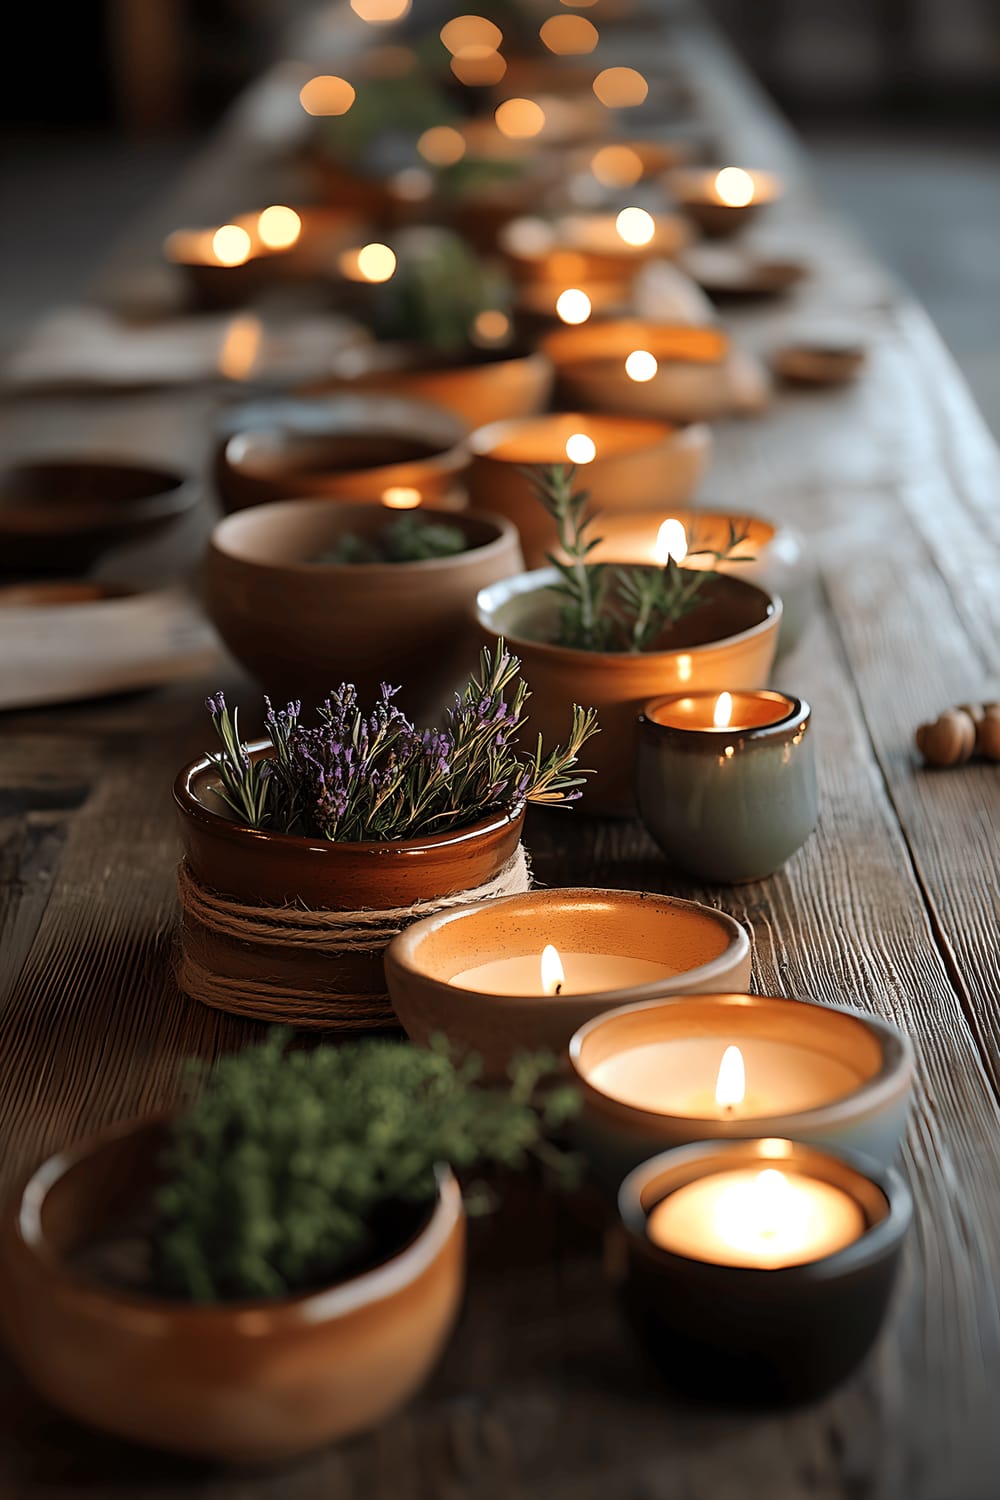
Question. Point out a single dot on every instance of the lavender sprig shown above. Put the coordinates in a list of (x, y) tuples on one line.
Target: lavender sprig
[(357, 777)]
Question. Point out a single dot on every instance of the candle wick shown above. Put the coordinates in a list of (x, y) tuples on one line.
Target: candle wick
[(558, 989)]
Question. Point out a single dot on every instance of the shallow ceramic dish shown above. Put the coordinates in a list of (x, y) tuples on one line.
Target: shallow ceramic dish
[(694, 191), (246, 1382), (61, 515), (728, 643), (725, 271), (641, 466), (701, 948), (303, 626), (491, 386), (345, 447)]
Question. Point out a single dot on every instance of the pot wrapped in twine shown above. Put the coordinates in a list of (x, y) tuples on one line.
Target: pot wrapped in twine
[(307, 968)]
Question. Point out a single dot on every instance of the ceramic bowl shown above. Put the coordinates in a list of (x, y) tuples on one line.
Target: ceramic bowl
[(747, 1336), (244, 1383), (737, 271), (700, 948), (301, 627), (853, 1071), (693, 189), (495, 385), (323, 232), (347, 447), (728, 643), (61, 515), (698, 375), (641, 466)]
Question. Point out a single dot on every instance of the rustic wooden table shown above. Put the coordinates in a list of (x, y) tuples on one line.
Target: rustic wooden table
[(892, 906)]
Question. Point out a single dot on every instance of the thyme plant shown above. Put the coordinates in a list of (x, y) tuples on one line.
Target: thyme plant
[(291, 1169), (357, 777), (606, 607), (439, 288), (408, 538)]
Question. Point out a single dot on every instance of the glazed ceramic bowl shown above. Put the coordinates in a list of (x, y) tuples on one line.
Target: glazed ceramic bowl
[(61, 515), (640, 466), (246, 1382), (728, 643), (697, 374), (841, 1078), (694, 947), (303, 626), (693, 188), (491, 386), (347, 447), (731, 805), (257, 869), (751, 1336)]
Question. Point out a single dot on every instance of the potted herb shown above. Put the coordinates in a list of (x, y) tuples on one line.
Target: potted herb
[(621, 634), (276, 1266), (306, 852), (307, 595), (444, 335)]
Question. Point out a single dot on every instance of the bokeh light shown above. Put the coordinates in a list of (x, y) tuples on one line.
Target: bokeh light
[(617, 166), (621, 88), (518, 119), (641, 365), (635, 226), (231, 245), (569, 35), (380, 12), (278, 227), (463, 32), (442, 145), (734, 187), (573, 305), (580, 449), (326, 95)]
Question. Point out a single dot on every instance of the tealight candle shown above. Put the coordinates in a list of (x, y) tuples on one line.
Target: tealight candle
[(526, 971), (625, 461), (671, 1071), (726, 782), (229, 265), (722, 200), (758, 1271)]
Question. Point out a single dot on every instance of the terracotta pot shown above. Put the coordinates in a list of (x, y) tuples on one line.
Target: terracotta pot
[(694, 190), (641, 466), (257, 868), (60, 515), (728, 643), (492, 386), (303, 627), (702, 950), (246, 1382), (349, 447), (698, 375)]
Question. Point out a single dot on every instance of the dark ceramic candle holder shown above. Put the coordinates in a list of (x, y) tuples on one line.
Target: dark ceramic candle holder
[(746, 1336), (727, 805)]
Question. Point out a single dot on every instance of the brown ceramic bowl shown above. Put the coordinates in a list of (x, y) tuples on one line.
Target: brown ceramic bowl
[(60, 515), (728, 643), (260, 869), (245, 1382), (701, 949), (692, 188), (641, 465), (489, 386), (346, 447), (302, 627)]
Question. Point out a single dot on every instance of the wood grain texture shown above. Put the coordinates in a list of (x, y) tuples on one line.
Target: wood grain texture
[(892, 905)]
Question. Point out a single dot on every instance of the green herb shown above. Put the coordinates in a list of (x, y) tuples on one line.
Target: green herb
[(383, 108), (405, 539), (356, 777), (615, 608), (289, 1169), (439, 289)]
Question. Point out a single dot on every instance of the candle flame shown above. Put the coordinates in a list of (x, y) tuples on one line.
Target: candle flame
[(722, 714), (553, 977), (671, 542), (231, 245), (573, 305), (580, 449), (278, 227), (635, 226), (731, 1084), (401, 497), (374, 262), (734, 187), (641, 365)]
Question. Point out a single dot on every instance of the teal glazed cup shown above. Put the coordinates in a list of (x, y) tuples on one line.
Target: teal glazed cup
[(727, 804)]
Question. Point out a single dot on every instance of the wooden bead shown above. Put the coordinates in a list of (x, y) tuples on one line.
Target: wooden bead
[(988, 733), (949, 741)]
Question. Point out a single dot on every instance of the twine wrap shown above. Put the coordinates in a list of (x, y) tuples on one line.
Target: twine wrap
[(319, 969)]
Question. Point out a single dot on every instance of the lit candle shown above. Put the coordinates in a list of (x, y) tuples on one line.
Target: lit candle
[(723, 199), (555, 972), (765, 1218), (726, 782)]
